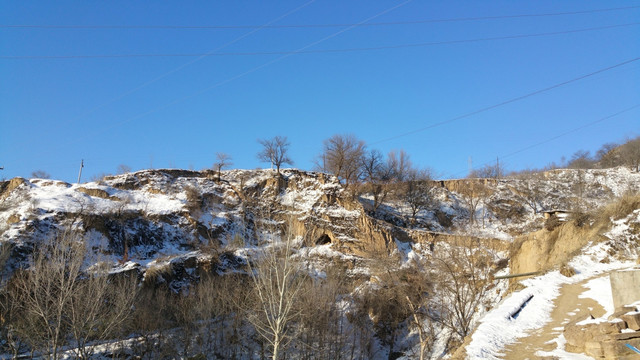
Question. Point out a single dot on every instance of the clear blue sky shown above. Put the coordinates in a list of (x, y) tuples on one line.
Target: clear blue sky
[(178, 111)]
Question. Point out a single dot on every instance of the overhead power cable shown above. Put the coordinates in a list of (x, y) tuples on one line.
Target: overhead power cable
[(319, 51), (188, 63), (529, 147), (506, 102), (238, 76), (569, 132), (427, 21)]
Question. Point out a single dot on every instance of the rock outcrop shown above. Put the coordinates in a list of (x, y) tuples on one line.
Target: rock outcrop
[(605, 340)]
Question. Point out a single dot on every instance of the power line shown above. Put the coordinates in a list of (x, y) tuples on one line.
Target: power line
[(250, 71), (570, 131), (319, 51), (188, 63), (204, 27), (529, 147), (469, 114)]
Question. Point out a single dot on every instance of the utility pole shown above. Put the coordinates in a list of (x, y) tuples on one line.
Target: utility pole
[(80, 173)]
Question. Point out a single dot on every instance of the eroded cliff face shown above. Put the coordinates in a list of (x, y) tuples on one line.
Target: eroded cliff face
[(545, 250), (144, 215)]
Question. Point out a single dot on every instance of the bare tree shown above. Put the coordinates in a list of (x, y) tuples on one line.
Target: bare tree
[(607, 156), (324, 333), (40, 174), (58, 300), (581, 159), (219, 302), (222, 160), (274, 151), (377, 175), (46, 290), (400, 164), (150, 322), (9, 309), (462, 278), (631, 154), (123, 169), (530, 189), (342, 156), (494, 171), (278, 281), (473, 191), (98, 309), (418, 191), (418, 298), (384, 306)]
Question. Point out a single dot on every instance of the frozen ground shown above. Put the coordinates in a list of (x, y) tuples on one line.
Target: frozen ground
[(529, 309)]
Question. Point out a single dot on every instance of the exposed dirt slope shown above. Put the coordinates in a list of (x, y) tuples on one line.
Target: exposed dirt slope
[(543, 250)]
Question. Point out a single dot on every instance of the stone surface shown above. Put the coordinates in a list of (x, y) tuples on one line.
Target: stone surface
[(625, 287), (617, 349), (622, 311), (593, 349), (632, 319), (97, 193), (583, 338), (15, 218)]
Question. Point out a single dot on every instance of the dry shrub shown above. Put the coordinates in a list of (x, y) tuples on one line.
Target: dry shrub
[(443, 219), (156, 272), (552, 222), (621, 207), (581, 219), (567, 270), (194, 199), (507, 209)]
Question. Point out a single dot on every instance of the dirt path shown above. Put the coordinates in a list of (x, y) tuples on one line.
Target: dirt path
[(568, 307)]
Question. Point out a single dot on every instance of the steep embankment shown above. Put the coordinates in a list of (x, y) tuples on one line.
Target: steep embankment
[(616, 225), (142, 218), (538, 309), (544, 250)]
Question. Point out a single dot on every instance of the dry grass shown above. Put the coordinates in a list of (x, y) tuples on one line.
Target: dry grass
[(620, 208), (159, 270), (194, 200)]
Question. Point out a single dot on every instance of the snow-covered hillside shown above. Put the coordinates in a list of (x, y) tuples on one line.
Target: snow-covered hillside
[(173, 228)]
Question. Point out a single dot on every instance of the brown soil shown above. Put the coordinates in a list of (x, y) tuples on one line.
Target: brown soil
[(568, 307)]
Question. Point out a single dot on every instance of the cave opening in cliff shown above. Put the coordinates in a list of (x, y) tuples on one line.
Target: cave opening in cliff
[(323, 239)]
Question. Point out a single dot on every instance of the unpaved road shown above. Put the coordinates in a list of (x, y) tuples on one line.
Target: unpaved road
[(568, 307)]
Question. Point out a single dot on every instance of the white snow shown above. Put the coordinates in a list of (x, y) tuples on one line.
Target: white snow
[(600, 290), (498, 329)]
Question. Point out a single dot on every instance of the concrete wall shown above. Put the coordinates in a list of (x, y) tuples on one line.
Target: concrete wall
[(625, 287)]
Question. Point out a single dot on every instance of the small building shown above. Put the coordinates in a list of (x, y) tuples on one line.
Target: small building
[(562, 215)]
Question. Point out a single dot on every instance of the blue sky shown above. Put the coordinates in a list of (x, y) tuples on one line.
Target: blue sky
[(178, 111)]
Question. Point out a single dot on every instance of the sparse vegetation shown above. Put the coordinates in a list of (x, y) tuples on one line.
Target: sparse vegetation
[(195, 200), (620, 207), (123, 169), (40, 174), (222, 160), (384, 275), (275, 151), (341, 156)]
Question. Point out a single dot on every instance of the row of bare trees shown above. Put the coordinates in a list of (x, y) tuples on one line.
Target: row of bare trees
[(436, 297), (368, 171), (56, 302), (609, 155), (67, 303)]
